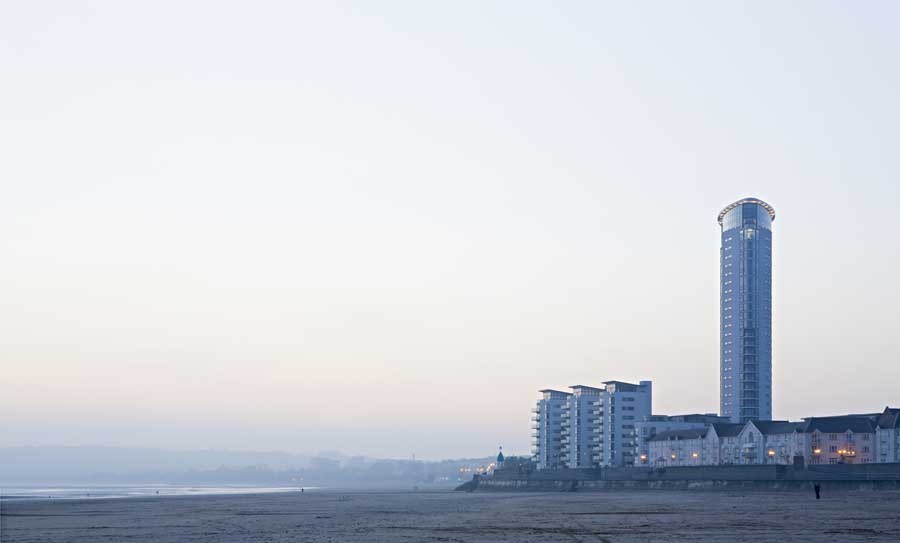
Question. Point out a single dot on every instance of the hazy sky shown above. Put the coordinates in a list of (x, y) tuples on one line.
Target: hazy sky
[(381, 227)]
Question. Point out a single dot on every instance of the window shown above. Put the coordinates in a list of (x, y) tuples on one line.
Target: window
[(833, 448), (866, 449)]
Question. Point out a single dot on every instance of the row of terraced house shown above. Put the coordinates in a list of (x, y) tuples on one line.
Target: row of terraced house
[(845, 439)]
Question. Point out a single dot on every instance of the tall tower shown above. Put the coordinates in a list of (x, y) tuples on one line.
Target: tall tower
[(745, 329)]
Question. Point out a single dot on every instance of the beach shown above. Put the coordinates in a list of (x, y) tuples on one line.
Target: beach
[(335, 516)]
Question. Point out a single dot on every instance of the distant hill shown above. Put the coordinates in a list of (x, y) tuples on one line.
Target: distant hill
[(78, 465), (38, 464)]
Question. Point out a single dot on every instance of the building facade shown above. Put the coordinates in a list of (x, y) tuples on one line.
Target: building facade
[(887, 434), (547, 426), (848, 439), (687, 447), (580, 428), (767, 442), (745, 387), (844, 439), (656, 424), (624, 405), (590, 427)]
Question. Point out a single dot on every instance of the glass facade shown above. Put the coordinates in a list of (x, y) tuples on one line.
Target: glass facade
[(745, 388)]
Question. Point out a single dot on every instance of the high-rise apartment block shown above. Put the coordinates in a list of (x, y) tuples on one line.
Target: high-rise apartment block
[(745, 388)]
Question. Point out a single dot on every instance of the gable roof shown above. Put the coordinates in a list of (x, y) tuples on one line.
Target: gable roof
[(727, 429), (770, 427), (836, 425)]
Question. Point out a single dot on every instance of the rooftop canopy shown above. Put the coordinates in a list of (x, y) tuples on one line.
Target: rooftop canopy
[(739, 203)]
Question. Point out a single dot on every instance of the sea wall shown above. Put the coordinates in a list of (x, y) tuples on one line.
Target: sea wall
[(750, 477)]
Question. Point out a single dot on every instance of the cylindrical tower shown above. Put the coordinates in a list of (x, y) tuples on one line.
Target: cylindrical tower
[(745, 293)]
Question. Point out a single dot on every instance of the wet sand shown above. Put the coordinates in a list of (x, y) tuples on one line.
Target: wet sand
[(461, 517)]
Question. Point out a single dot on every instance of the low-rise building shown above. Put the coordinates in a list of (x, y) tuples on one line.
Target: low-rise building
[(848, 439), (728, 435), (770, 442), (690, 447), (656, 424)]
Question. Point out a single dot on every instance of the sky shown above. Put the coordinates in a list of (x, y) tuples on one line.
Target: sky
[(380, 228)]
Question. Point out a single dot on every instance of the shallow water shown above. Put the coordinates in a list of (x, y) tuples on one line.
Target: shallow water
[(62, 492)]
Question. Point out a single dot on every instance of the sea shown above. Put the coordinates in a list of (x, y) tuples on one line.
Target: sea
[(64, 492)]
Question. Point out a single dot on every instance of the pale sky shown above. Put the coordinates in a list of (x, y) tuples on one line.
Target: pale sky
[(381, 227)]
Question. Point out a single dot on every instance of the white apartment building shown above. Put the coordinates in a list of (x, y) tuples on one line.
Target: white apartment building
[(624, 405), (580, 435), (590, 427), (547, 426)]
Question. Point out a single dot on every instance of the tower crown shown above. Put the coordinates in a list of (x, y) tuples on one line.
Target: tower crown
[(757, 201)]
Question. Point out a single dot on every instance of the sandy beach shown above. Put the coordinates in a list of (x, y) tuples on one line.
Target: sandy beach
[(460, 517)]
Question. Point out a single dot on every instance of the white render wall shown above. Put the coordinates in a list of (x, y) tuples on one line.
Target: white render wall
[(700, 451), (644, 430), (578, 433), (623, 407), (547, 419), (887, 444)]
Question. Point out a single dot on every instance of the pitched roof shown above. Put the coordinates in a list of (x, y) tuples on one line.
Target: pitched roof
[(890, 418), (770, 427), (835, 425), (671, 435), (727, 429)]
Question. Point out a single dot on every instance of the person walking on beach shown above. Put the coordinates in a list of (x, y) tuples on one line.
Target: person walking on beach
[(818, 488)]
